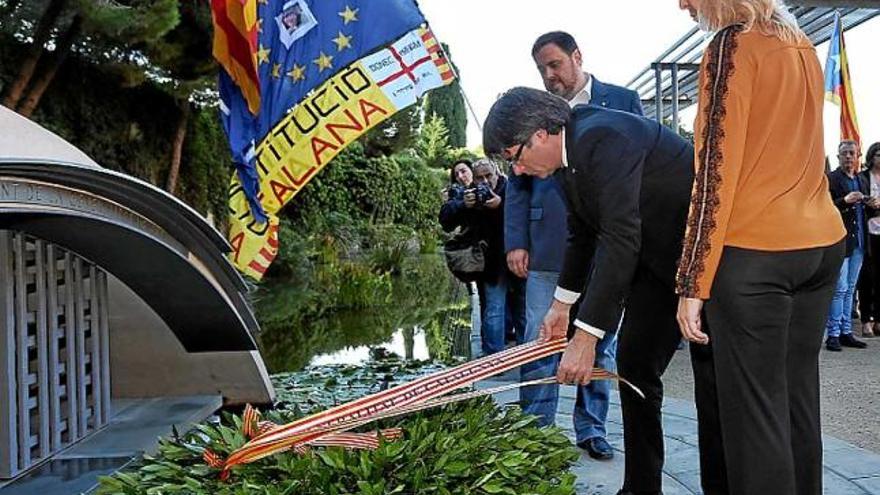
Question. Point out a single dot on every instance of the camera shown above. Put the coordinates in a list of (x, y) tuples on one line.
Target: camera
[(481, 193)]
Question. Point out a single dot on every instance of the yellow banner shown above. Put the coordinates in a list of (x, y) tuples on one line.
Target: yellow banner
[(339, 111)]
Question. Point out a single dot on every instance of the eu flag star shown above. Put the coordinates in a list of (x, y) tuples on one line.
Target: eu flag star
[(324, 61), (263, 55), (342, 42), (349, 15), (297, 73), (276, 71)]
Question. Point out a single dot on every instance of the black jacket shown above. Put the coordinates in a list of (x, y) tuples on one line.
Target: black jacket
[(627, 186), (838, 185), (479, 224)]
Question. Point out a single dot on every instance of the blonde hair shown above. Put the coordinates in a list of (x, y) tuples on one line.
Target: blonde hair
[(769, 17)]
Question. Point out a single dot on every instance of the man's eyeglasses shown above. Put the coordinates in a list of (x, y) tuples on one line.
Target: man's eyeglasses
[(512, 161)]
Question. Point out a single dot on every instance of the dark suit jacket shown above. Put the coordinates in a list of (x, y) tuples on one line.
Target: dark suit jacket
[(534, 209), (838, 185), (627, 186)]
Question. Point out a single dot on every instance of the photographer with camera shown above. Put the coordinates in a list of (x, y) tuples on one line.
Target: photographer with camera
[(473, 212)]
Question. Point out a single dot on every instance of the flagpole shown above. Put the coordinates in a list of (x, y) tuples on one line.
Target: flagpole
[(467, 101)]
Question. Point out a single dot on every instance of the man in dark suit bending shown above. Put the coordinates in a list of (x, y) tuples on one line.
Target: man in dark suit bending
[(627, 183), (534, 239)]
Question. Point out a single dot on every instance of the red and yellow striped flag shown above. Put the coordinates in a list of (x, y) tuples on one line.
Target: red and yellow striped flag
[(838, 84), (235, 45)]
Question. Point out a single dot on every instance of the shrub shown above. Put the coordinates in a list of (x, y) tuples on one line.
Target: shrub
[(472, 448)]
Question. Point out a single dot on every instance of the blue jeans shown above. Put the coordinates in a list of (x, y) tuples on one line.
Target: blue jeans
[(591, 407), (840, 317), (493, 313)]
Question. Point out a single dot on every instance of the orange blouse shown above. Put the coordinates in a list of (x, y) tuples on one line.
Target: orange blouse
[(760, 160)]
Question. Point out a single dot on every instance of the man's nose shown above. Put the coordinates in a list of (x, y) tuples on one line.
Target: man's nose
[(519, 170)]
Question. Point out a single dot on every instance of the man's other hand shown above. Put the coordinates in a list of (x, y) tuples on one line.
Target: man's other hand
[(576, 365), (555, 324), (518, 262), (853, 197), (493, 202)]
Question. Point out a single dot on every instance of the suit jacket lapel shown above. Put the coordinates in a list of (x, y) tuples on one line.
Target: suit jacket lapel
[(600, 94)]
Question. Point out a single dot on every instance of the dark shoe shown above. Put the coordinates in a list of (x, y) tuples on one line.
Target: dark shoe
[(847, 340), (597, 448), (833, 344)]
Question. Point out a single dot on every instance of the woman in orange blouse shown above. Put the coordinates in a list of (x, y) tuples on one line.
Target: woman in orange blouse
[(763, 243)]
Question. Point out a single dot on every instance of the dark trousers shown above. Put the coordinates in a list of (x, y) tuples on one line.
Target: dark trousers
[(869, 282), (648, 339), (766, 320)]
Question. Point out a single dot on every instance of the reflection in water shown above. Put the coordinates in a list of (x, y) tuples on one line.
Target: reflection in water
[(427, 311), (407, 343)]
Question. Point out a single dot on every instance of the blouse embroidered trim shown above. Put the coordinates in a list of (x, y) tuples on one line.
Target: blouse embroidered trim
[(705, 201)]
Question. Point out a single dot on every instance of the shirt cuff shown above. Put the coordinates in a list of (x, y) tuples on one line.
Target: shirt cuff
[(599, 334), (566, 296)]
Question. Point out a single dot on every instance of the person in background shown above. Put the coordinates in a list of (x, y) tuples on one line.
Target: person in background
[(851, 194), (869, 277), (475, 208)]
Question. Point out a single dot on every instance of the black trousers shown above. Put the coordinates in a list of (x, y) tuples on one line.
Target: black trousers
[(869, 282), (648, 339), (766, 321)]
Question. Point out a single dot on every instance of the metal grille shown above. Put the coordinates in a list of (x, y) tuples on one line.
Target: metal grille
[(54, 370)]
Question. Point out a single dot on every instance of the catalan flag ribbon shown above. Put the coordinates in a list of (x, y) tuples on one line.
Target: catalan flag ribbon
[(235, 45), (328, 71), (838, 84), (327, 428)]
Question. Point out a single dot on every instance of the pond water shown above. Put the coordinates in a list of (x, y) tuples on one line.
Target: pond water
[(426, 316)]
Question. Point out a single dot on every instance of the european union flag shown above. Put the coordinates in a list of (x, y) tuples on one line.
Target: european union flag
[(302, 43)]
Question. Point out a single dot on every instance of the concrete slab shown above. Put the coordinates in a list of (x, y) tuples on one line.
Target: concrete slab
[(849, 470), (138, 426), (134, 430)]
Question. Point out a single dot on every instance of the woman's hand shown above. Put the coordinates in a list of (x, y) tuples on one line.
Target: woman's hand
[(689, 320)]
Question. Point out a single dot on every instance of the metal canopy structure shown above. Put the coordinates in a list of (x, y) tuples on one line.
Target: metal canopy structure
[(151, 241), (674, 74)]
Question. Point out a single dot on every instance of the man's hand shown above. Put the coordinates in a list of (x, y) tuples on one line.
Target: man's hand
[(576, 366), (853, 197), (555, 324), (689, 320), (518, 262), (873, 202), (493, 202)]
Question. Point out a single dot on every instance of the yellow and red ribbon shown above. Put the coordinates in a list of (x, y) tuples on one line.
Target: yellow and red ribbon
[(327, 428)]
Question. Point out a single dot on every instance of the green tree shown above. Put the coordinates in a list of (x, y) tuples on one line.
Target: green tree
[(433, 143), (448, 103), (106, 31), (395, 134), (183, 66)]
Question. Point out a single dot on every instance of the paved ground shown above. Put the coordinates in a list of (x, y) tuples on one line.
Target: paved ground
[(850, 392), (850, 410)]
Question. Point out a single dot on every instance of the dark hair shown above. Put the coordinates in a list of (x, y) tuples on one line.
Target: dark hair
[(563, 40), (469, 164), (518, 114), (873, 151)]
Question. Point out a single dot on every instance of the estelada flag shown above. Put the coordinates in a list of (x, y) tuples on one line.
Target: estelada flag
[(328, 70), (838, 84)]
